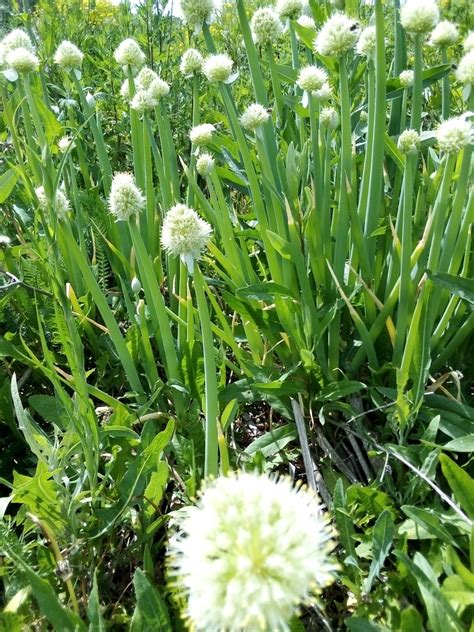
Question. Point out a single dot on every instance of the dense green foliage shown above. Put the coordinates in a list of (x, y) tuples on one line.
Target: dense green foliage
[(327, 331)]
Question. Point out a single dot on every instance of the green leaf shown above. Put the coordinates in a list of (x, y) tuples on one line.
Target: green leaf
[(411, 620), (461, 444), (272, 442), (264, 291), (458, 593), (358, 624), (382, 539), (7, 184), (344, 522), (339, 390), (150, 604), (282, 246), (459, 286), (461, 484), (430, 522), (154, 490), (96, 620)]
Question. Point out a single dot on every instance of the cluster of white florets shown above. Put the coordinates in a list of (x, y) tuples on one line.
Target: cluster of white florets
[(218, 68), (185, 234), (311, 78), (254, 116), (445, 33), (68, 56), (191, 62), (406, 78), (129, 55), (205, 164), (468, 43), (150, 89), (409, 141), (455, 134), (126, 199), (419, 17), (366, 42), (266, 26), (17, 53), (59, 203), (465, 69), (329, 118), (201, 135), (337, 36), (249, 553), (289, 9), (197, 12)]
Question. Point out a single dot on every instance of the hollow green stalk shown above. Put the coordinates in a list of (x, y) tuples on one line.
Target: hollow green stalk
[(417, 92)]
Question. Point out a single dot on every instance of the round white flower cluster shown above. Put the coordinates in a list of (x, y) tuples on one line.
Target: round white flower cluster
[(185, 234), (445, 33), (196, 12), (205, 164), (68, 56), (289, 9), (150, 89), (65, 143), (249, 553), (307, 22), (60, 204), (201, 135), (218, 68), (254, 116), (409, 141), (22, 60), (18, 54), (266, 26), (455, 134), (419, 16), (329, 118), (191, 62), (129, 55), (125, 198), (311, 78), (406, 78), (465, 69), (337, 36), (468, 43), (366, 42)]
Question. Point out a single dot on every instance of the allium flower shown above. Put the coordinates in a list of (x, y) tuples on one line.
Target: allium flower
[(465, 69), (201, 135), (125, 90), (144, 78), (136, 285), (366, 42), (196, 12), (289, 9), (468, 43), (444, 34), (64, 144), (324, 94), (266, 26), (5, 241), (16, 39), (185, 234), (158, 89), (329, 118), (250, 551), (337, 36), (306, 22), (68, 56), (409, 141), (254, 116), (205, 164), (455, 134), (406, 78), (22, 60), (142, 101), (125, 198), (191, 62), (311, 78), (61, 203), (218, 68), (419, 16), (129, 55)]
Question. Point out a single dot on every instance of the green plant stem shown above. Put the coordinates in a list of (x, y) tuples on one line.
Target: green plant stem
[(277, 93), (210, 376), (135, 125), (147, 221), (446, 88), (417, 92)]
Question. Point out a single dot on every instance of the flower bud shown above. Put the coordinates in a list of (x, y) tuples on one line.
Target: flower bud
[(61, 203), (409, 141), (311, 78), (406, 78), (136, 285), (329, 118)]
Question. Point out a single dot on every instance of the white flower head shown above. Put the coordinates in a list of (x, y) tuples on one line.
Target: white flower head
[(60, 203), (468, 43), (266, 26), (68, 56), (337, 36), (201, 135), (22, 60), (129, 55), (144, 78), (406, 78), (5, 241), (455, 134), (142, 101), (306, 22), (185, 234), (254, 116), (196, 12), (419, 16), (311, 78), (191, 62), (329, 118), (445, 33), (465, 69), (409, 141), (366, 42), (289, 9), (16, 39), (218, 68), (125, 90), (324, 94), (251, 551), (65, 143), (125, 198), (158, 89), (205, 164)]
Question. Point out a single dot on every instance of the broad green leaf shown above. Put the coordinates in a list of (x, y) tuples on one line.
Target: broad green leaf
[(411, 620), (272, 442), (458, 593), (359, 624), (282, 246), (382, 539), (430, 522), (35, 437), (461, 444), (40, 495), (461, 484), (459, 286), (96, 620), (339, 390), (344, 522), (264, 291), (150, 604), (7, 184), (154, 490)]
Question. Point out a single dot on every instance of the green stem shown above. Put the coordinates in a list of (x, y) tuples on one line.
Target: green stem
[(446, 88), (417, 93)]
